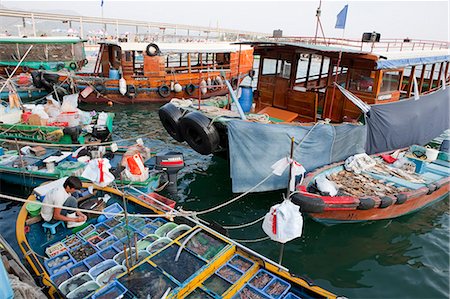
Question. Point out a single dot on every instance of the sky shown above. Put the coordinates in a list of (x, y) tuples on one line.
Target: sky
[(393, 19)]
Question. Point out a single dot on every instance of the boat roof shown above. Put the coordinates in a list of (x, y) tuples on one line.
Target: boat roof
[(188, 47), (40, 40), (384, 60)]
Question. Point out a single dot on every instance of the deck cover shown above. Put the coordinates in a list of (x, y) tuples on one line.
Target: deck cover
[(400, 124)]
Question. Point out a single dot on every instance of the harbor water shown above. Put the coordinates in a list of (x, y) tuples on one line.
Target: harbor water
[(406, 257)]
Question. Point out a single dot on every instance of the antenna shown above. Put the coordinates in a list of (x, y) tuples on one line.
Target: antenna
[(319, 23)]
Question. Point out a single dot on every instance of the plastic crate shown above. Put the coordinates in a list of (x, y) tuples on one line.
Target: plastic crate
[(114, 208), (84, 291), (79, 268), (291, 296), (164, 229), (60, 277), (55, 249), (78, 279), (254, 293), (72, 241), (157, 222), (178, 231), (101, 227), (283, 286), (113, 290), (86, 232), (101, 267), (148, 230), (261, 279), (94, 240), (146, 241), (107, 242), (229, 273), (241, 263), (86, 253), (59, 263), (107, 276), (94, 260), (109, 252)]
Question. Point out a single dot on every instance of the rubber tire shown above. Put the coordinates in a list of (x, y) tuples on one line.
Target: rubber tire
[(36, 77), (366, 203), (149, 53), (190, 88), (25, 69), (386, 202), (164, 91), (401, 198), (170, 116), (308, 204), (131, 91), (85, 62), (199, 134)]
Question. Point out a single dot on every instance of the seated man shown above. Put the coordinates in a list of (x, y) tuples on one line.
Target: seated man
[(61, 196)]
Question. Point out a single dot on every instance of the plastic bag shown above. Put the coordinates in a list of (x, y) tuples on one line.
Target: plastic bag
[(70, 103), (326, 186), (284, 222), (40, 111), (85, 117)]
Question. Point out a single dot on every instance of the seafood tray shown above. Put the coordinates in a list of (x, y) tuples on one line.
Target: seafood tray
[(138, 282), (104, 235), (261, 279), (72, 241), (119, 244), (78, 268), (204, 245), (291, 296), (114, 208), (277, 288), (229, 273), (81, 252), (60, 277), (55, 249), (74, 282), (107, 276), (84, 291), (101, 227), (241, 263), (109, 252), (120, 231), (146, 241), (157, 222), (158, 244), (136, 222), (113, 290), (106, 242), (217, 284), (112, 222), (178, 231), (147, 229), (101, 267), (87, 231), (58, 263), (247, 292), (93, 260), (165, 228), (94, 240)]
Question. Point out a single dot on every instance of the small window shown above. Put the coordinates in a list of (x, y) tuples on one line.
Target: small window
[(361, 80), (128, 56), (390, 81), (269, 66)]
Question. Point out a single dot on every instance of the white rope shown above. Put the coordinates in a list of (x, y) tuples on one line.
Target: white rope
[(252, 240), (244, 225)]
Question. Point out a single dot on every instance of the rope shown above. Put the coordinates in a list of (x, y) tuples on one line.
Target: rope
[(252, 240), (244, 225)]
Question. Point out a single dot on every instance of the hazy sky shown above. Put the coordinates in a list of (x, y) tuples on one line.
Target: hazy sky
[(414, 19)]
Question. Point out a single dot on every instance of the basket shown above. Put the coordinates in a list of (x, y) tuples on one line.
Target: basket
[(34, 209)]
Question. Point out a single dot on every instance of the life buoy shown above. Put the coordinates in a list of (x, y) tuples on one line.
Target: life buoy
[(203, 87), (190, 88), (85, 62), (366, 203), (131, 91), (60, 66), (308, 204), (170, 116), (177, 87), (152, 49), (198, 132), (164, 91), (25, 69), (73, 65)]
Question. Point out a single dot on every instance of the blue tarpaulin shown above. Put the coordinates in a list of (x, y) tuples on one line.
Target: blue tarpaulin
[(405, 62)]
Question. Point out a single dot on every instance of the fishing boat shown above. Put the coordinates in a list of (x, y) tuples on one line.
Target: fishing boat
[(377, 187), (135, 250), (44, 53), (353, 96), (128, 72)]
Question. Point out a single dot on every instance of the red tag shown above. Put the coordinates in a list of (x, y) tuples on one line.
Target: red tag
[(274, 222), (100, 167)]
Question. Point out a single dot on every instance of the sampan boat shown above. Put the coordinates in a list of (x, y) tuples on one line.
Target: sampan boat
[(175, 258), (381, 191)]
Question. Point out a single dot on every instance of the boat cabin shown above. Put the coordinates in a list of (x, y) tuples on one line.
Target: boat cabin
[(160, 70), (47, 53), (296, 80)]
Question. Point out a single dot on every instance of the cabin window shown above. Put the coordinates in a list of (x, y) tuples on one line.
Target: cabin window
[(318, 70), (361, 80), (390, 81), (128, 56), (138, 63), (223, 59), (270, 67)]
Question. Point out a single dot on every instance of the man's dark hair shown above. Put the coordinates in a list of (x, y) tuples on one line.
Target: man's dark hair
[(73, 182)]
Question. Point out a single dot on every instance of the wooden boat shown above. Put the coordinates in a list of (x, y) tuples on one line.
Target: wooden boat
[(47, 53), (176, 258), (296, 84), (382, 191), (157, 72), (31, 170)]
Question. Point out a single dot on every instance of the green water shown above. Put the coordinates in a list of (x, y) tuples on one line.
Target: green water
[(406, 257)]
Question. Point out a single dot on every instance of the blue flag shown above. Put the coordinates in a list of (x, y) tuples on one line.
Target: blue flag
[(101, 4), (341, 18)]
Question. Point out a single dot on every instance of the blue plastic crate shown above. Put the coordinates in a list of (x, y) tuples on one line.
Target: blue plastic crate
[(261, 279), (101, 227), (249, 288), (291, 296), (86, 232), (284, 286), (148, 229), (60, 277), (53, 266), (229, 273), (101, 267), (112, 290), (241, 263), (107, 242), (93, 260), (114, 208), (109, 252), (157, 222), (78, 268)]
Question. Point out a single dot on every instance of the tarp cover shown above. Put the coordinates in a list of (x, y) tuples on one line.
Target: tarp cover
[(405, 62), (400, 124), (254, 147)]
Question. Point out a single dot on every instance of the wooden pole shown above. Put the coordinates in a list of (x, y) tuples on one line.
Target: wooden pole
[(336, 77)]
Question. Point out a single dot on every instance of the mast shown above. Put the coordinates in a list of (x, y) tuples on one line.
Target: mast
[(319, 23)]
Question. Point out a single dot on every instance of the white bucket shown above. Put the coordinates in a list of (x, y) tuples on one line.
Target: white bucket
[(432, 154)]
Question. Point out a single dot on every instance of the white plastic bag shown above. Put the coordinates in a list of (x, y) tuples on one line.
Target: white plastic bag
[(325, 185), (97, 171), (70, 103), (40, 111), (284, 222)]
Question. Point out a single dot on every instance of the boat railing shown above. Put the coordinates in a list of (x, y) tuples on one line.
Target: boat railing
[(384, 45)]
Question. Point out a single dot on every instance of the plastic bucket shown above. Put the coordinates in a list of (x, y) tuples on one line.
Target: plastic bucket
[(432, 154), (114, 74), (34, 209), (246, 99)]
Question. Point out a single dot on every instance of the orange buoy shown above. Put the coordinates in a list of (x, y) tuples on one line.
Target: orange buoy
[(110, 103)]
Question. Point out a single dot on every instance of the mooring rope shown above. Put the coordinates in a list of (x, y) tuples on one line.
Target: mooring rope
[(252, 240), (245, 224)]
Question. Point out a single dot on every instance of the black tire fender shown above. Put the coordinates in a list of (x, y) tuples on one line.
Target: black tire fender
[(85, 62), (131, 91), (308, 204), (164, 91), (190, 88), (386, 201), (152, 49), (25, 69), (170, 116), (73, 65), (366, 203), (199, 133), (401, 198)]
